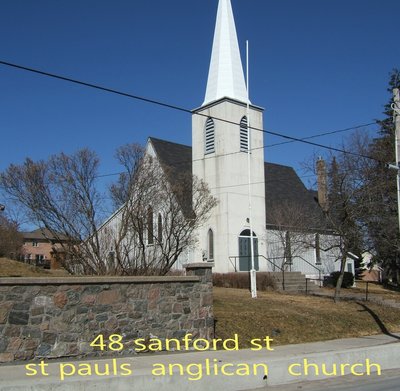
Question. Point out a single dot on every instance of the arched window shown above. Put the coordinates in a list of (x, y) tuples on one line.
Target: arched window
[(150, 226), (244, 135), (159, 229), (210, 244), (288, 249), (317, 250), (209, 137)]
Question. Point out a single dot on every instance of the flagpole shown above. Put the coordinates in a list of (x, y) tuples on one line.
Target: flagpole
[(253, 280)]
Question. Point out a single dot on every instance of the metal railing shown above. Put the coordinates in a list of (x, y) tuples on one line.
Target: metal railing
[(317, 268)]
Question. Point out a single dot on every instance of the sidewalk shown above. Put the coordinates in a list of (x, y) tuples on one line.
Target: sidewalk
[(205, 368)]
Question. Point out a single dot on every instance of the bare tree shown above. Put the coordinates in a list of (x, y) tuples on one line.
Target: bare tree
[(348, 200), (162, 209), (60, 195), (11, 240), (158, 211), (292, 229)]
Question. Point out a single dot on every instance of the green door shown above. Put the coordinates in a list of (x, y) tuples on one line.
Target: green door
[(245, 254)]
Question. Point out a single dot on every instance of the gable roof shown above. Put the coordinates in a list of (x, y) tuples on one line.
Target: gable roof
[(176, 160), (284, 188), (282, 185), (177, 157)]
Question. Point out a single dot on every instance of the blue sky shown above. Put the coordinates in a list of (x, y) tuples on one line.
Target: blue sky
[(316, 66)]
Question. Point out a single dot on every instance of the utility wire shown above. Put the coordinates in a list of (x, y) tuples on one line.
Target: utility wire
[(323, 134), (174, 107)]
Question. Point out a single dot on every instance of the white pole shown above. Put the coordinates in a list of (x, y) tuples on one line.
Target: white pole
[(253, 280), (396, 109)]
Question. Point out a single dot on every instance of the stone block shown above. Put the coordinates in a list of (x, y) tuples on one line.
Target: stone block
[(12, 331), (37, 311), (44, 350), (42, 301), (206, 299), (60, 299), (88, 299), (18, 317), (108, 297), (4, 311), (49, 338), (14, 344)]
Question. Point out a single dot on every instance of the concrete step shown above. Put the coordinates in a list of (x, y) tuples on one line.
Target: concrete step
[(294, 282)]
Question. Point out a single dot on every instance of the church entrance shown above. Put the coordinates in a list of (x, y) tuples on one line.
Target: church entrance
[(245, 251)]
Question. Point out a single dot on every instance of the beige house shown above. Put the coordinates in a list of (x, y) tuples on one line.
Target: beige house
[(40, 248)]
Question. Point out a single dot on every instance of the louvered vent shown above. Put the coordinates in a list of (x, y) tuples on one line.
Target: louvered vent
[(244, 137), (210, 136)]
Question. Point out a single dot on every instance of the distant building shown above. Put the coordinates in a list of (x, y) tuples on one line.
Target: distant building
[(41, 248)]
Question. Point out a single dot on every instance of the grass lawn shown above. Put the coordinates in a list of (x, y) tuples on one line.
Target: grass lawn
[(292, 319), (9, 268)]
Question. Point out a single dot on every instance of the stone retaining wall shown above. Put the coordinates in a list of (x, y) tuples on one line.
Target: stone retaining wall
[(60, 317)]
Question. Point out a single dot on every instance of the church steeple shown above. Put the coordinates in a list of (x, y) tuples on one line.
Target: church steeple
[(225, 77)]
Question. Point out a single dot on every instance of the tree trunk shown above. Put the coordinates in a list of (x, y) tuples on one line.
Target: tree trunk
[(340, 279)]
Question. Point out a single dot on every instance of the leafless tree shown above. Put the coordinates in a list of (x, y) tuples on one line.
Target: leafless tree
[(161, 211), (158, 211), (292, 230), (348, 200), (11, 240), (60, 194)]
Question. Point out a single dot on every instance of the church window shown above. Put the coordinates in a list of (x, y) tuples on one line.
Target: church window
[(209, 136), (244, 135), (210, 240), (317, 250), (159, 228), (150, 226), (288, 249)]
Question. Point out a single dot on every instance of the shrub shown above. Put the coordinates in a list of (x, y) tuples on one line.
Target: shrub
[(348, 279), (241, 280)]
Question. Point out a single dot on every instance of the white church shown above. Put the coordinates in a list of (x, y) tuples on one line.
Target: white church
[(256, 199)]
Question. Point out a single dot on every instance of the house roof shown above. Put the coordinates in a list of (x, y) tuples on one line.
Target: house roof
[(283, 187), (42, 234)]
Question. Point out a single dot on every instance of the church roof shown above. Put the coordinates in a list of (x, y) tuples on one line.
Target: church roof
[(283, 190), (176, 159), (283, 187), (225, 77)]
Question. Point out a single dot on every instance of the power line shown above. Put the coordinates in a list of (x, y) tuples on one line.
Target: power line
[(174, 107), (323, 134)]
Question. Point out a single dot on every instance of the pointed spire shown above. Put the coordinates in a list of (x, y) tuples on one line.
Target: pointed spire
[(225, 77)]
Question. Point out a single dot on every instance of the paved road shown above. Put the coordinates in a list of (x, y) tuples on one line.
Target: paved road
[(388, 381)]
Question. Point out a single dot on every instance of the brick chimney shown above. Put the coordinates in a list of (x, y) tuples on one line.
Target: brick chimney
[(322, 183)]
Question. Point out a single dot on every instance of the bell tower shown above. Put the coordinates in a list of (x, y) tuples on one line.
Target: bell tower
[(220, 145)]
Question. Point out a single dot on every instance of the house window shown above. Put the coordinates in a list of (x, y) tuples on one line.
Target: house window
[(210, 243), (150, 226), (209, 137), (317, 250), (159, 228), (35, 244), (288, 249), (244, 135)]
